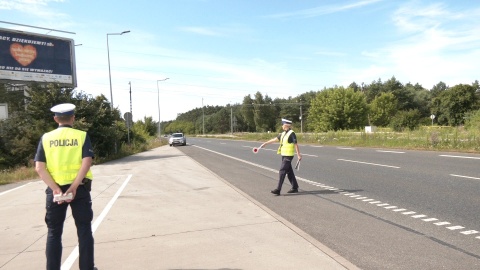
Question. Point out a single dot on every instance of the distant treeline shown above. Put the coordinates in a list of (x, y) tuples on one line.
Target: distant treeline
[(383, 104)]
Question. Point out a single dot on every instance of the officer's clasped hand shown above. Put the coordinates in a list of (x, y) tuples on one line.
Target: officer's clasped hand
[(60, 198)]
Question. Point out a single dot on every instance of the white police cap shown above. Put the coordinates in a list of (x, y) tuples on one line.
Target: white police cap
[(285, 121), (63, 109)]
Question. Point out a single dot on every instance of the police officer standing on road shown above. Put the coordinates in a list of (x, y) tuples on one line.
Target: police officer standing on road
[(63, 160), (287, 148)]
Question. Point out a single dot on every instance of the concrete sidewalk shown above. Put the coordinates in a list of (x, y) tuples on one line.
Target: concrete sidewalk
[(176, 214)]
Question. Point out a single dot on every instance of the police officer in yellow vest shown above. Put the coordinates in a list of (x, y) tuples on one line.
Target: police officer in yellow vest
[(63, 161), (288, 147)]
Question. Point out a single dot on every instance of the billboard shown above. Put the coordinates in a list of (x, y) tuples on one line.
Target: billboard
[(28, 57)]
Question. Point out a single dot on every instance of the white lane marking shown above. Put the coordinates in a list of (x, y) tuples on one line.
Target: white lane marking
[(460, 156), (390, 207), (223, 143), (395, 152), (10, 190), (309, 155), (241, 160), (74, 254), (463, 176), (317, 146), (442, 223), (469, 232), (455, 228), (383, 204), (375, 164), (345, 148), (340, 191)]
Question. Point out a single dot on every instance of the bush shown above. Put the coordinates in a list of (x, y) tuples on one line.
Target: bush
[(406, 119), (472, 122)]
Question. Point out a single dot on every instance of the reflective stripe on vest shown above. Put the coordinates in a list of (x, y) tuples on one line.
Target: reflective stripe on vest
[(63, 152), (286, 149)]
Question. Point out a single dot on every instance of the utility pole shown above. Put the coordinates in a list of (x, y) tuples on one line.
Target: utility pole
[(301, 118)]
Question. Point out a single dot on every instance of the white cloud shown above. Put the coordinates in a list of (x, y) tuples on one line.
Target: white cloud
[(435, 44), (323, 10), (38, 8)]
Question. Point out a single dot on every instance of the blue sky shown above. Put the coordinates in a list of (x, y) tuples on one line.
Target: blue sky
[(218, 51)]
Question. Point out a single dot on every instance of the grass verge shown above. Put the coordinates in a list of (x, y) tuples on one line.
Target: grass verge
[(28, 172)]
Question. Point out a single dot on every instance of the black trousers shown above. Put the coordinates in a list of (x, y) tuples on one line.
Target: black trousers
[(54, 218), (287, 170)]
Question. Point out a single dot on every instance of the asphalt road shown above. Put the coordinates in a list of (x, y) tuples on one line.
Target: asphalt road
[(378, 208)]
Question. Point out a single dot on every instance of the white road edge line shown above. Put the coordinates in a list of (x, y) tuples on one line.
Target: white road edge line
[(463, 176), (460, 156), (74, 254), (395, 152), (5, 192), (375, 164)]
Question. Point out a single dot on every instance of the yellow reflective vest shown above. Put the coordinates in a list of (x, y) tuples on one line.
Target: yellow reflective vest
[(63, 152), (286, 149)]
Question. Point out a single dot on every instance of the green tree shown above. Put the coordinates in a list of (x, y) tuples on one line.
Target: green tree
[(421, 98), (438, 88), (451, 105), (13, 96), (148, 125), (186, 127), (338, 108), (265, 115), (382, 109), (372, 90), (248, 113), (220, 121)]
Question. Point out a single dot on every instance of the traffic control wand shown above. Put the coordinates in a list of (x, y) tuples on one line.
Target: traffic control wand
[(297, 166)]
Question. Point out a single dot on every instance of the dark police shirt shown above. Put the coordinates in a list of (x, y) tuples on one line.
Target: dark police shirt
[(291, 139), (87, 150)]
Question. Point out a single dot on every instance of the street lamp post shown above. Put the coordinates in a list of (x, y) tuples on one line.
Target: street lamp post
[(158, 91), (109, 72)]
